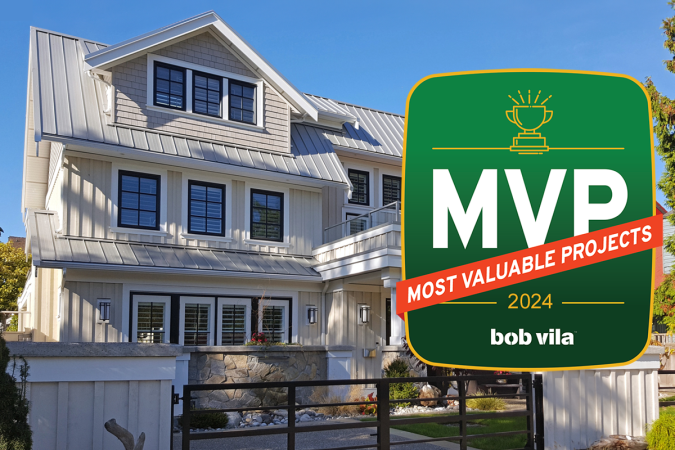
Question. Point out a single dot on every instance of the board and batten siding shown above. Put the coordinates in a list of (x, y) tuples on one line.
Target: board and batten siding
[(344, 329), (87, 211), (308, 334), (130, 81), (44, 307), (79, 319), (668, 258)]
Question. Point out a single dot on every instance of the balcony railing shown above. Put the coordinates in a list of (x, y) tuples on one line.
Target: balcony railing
[(387, 214)]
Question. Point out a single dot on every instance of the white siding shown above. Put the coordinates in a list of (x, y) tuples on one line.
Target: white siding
[(668, 258), (79, 320)]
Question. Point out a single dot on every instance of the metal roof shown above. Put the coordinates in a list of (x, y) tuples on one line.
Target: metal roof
[(328, 105), (69, 108), (50, 249)]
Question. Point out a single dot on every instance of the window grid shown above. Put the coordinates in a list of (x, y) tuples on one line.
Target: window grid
[(138, 200), (357, 225), (206, 209), (233, 325), (150, 322), (267, 215), (391, 189), (361, 184), (207, 93), (196, 324), (169, 86), (242, 101), (273, 323)]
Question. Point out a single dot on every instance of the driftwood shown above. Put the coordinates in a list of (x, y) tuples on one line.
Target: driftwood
[(620, 442), (125, 437)]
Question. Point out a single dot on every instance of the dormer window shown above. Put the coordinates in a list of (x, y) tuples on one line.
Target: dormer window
[(242, 102), (207, 94), (169, 86)]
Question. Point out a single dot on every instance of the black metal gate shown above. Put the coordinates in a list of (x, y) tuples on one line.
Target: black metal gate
[(531, 392)]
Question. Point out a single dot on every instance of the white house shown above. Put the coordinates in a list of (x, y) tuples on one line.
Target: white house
[(178, 189)]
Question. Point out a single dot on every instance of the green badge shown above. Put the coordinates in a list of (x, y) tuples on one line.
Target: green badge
[(497, 162)]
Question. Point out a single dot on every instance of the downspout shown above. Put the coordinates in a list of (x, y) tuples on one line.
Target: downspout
[(323, 312), (108, 91)]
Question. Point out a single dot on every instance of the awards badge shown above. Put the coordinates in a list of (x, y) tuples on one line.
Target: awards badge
[(529, 118)]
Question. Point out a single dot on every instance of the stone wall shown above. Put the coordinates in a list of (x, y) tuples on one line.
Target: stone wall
[(391, 352), (255, 365)]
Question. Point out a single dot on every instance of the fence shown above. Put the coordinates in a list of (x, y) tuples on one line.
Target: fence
[(532, 392), (664, 338), (390, 213)]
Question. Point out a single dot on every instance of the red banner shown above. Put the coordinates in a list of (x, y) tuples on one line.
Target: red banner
[(528, 264)]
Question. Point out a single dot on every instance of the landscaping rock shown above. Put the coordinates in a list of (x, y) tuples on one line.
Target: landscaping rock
[(620, 442), (306, 418)]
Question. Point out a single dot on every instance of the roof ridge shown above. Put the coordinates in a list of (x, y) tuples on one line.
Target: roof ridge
[(70, 36), (355, 105)]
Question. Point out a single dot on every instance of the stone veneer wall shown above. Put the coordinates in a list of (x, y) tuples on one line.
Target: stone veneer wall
[(227, 365), (391, 352)]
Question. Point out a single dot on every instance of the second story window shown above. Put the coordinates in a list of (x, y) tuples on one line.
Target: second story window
[(361, 183), (206, 94), (266, 215), (242, 102), (169, 86), (206, 208), (138, 200), (391, 189)]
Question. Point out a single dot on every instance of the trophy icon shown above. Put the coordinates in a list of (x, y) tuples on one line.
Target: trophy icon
[(529, 118)]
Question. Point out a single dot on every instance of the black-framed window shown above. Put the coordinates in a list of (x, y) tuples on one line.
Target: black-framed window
[(273, 323), (206, 208), (267, 218), (268, 319), (391, 189), (169, 86), (356, 225), (197, 329), (138, 200), (207, 92), (150, 322), (361, 184), (233, 324), (242, 102)]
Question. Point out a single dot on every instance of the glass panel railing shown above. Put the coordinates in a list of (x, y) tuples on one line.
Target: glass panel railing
[(387, 214)]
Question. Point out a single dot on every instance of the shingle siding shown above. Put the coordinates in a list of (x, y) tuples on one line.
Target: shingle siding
[(130, 81)]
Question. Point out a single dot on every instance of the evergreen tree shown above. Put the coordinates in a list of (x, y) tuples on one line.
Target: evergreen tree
[(15, 433)]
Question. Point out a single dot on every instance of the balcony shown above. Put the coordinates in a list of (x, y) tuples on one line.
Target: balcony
[(362, 244)]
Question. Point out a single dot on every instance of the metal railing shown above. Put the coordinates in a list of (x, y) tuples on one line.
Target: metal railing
[(532, 387), (387, 214)]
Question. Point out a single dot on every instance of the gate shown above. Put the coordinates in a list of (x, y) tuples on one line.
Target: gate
[(531, 387)]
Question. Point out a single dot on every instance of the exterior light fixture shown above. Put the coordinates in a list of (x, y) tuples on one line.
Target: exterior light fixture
[(312, 313), (364, 314)]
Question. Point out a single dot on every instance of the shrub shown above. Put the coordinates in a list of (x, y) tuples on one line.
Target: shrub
[(486, 403), (398, 368), (207, 420), (661, 434), (670, 398), (15, 433), (321, 394), (370, 408)]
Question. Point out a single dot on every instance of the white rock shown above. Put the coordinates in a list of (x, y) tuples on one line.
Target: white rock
[(305, 418)]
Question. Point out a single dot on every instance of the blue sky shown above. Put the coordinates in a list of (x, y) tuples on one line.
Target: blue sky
[(365, 52)]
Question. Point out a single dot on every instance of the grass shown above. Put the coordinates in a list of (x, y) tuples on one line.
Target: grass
[(668, 399), (434, 430), (667, 411)]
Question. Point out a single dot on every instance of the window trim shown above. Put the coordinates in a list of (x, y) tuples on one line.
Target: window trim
[(368, 186), (138, 298), (255, 101), (158, 219), (184, 299), (222, 301), (287, 314), (154, 84), (387, 175), (282, 233), (221, 82), (189, 208), (226, 76)]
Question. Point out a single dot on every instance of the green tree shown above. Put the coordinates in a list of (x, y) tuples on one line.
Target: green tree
[(15, 433), (14, 267), (663, 110)]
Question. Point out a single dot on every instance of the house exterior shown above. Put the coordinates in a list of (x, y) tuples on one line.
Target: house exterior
[(178, 189)]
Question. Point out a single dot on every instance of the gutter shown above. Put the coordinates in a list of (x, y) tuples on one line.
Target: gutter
[(324, 316)]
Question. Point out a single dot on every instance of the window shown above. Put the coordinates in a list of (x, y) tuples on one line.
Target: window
[(267, 216), (233, 325), (150, 322), (391, 189), (361, 184), (169, 86), (206, 210), (356, 225), (196, 324), (273, 323), (206, 94), (138, 200), (104, 310), (242, 102)]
